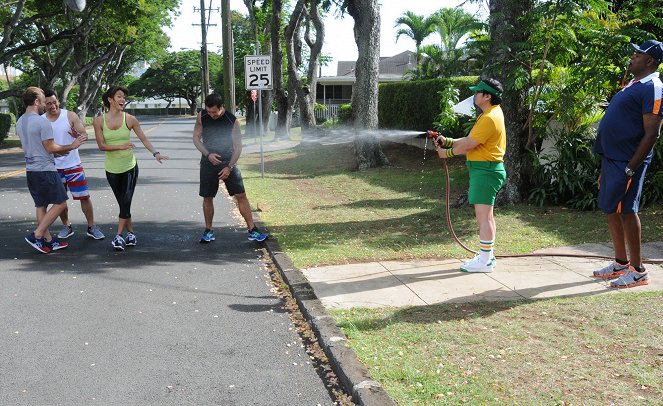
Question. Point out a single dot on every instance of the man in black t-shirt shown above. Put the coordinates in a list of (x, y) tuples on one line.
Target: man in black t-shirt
[(219, 139)]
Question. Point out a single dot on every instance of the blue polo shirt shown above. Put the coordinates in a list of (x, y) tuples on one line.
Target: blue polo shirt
[(622, 127)]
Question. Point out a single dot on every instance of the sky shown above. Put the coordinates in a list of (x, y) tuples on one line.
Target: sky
[(339, 41)]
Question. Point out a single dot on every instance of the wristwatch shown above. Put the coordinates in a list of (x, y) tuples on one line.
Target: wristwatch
[(629, 172)]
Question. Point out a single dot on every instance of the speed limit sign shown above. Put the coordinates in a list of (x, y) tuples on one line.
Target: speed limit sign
[(258, 72)]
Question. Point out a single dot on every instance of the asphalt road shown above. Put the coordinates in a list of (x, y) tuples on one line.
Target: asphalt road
[(168, 322)]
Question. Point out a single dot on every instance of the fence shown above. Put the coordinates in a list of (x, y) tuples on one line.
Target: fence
[(329, 113)]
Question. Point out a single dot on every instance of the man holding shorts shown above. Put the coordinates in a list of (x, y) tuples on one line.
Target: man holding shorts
[(66, 127), (626, 137), (219, 139), (485, 147), (44, 182)]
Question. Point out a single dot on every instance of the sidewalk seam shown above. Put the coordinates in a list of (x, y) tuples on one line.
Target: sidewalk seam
[(405, 284), (344, 361)]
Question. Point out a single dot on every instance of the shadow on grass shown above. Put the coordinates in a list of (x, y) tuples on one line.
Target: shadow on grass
[(459, 309)]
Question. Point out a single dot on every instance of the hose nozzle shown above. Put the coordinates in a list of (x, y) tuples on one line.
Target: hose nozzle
[(432, 134)]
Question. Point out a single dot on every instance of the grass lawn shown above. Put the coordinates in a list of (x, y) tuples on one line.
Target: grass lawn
[(597, 350), (324, 212)]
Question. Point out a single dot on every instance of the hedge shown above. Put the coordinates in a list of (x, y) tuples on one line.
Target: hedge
[(415, 105), (6, 121)]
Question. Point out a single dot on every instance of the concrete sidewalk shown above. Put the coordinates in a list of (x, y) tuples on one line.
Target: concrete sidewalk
[(415, 283)]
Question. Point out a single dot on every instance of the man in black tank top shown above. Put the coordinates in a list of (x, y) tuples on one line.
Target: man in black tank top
[(219, 139)]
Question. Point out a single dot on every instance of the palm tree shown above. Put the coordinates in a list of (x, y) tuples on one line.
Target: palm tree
[(453, 24), (418, 28)]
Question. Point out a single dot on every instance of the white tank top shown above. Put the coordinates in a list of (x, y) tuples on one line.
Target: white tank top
[(61, 128)]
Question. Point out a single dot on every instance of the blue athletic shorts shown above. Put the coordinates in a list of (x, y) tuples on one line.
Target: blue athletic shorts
[(46, 188), (617, 192)]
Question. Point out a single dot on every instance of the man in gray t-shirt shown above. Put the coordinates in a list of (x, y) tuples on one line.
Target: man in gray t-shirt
[(43, 179)]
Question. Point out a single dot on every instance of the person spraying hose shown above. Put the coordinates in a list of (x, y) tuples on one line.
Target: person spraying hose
[(484, 147)]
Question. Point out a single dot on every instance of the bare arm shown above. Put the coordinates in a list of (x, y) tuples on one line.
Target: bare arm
[(57, 149), (198, 137), (461, 146), (101, 140), (134, 125), (77, 127), (237, 151), (652, 125)]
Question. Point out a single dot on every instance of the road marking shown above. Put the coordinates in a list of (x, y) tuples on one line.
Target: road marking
[(5, 175)]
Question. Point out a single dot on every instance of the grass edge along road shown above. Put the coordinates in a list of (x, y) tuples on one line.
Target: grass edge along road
[(587, 350)]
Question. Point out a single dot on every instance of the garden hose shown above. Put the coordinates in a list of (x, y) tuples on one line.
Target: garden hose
[(553, 254)]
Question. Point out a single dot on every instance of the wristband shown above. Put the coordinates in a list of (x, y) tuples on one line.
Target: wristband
[(155, 153), (450, 153), (445, 142)]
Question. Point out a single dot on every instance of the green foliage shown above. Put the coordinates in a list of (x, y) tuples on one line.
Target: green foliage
[(415, 105), (447, 121), (6, 120), (652, 190), (566, 172), (345, 114)]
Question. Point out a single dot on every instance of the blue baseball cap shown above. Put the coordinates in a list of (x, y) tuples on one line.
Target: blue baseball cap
[(652, 48)]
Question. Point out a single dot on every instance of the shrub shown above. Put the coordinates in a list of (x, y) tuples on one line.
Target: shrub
[(6, 121), (415, 105), (345, 114), (567, 173)]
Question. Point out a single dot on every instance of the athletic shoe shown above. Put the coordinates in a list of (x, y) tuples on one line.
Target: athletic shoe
[(478, 265), (118, 243), (66, 232), (208, 236), (56, 244), (257, 235), (631, 279), (131, 239), (95, 232), (38, 243), (613, 270)]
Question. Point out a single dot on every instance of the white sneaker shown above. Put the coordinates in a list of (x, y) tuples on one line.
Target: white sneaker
[(478, 265)]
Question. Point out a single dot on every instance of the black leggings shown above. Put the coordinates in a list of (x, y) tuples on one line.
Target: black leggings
[(123, 185)]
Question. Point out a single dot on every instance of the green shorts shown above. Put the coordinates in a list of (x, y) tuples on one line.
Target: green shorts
[(486, 179)]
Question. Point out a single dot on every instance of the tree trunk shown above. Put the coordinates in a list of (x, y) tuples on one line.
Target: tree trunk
[(280, 96), (293, 52), (307, 94), (365, 93), (507, 32)]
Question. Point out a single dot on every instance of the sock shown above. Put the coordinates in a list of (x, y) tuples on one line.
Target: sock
[(640, 268), (208, 229), (486, 250), (621, 261)]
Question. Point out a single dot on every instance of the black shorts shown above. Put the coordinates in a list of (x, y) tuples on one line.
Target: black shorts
[(46, 188), (209, 179)]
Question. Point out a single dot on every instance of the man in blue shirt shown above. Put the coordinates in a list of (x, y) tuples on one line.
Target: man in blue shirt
[(626, 137)]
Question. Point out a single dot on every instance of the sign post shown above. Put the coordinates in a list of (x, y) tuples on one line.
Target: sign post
[(258, 76)]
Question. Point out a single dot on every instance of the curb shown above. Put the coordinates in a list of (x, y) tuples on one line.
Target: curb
[(351, 372)]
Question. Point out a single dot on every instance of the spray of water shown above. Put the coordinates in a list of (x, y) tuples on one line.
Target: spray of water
[(345, 135)]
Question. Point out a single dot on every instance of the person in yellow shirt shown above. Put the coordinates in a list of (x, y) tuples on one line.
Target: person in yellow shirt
[(484, 147)]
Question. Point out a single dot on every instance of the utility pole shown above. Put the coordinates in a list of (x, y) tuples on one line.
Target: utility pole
[(204, 59), (228, 58)]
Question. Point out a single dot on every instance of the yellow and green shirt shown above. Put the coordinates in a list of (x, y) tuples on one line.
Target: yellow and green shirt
[(490, 133)]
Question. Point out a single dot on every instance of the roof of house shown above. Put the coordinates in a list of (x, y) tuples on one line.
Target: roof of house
[(391, 66)]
